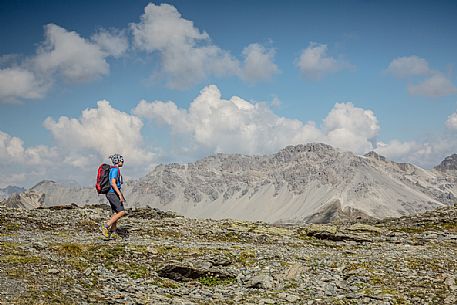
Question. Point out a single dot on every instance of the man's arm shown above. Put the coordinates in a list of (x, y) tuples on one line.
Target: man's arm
[(118, 192)]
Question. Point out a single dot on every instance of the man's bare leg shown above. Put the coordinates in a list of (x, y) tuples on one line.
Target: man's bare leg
[(115, 218)]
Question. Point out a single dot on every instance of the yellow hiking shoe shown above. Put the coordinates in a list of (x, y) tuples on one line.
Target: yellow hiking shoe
[(114, 234), (104, 230)]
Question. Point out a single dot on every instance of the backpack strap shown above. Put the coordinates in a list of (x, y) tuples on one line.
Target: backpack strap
[(119, 176)]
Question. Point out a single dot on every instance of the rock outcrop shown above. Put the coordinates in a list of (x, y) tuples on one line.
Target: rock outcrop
[(448, 164), (27, 200), (58, 256)]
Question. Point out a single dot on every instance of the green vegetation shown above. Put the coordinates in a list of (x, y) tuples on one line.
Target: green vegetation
[(10, 227), (133, 270), (19, 259), (247, 258), (47, 296)]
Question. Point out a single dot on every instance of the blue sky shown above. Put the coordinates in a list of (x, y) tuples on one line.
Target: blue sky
[(359, 75)]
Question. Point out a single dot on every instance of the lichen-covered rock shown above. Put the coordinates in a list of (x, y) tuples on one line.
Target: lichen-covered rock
[(58, 256)]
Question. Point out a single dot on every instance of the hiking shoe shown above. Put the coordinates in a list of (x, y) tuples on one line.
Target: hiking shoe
[(114, 234), (104, 230)]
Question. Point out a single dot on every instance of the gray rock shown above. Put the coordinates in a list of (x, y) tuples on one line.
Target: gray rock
[(263, 281)]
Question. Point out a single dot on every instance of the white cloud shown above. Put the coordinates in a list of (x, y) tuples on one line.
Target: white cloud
[(12, 151), (81, 144), (396, 150), (408, 66), (351, 128), (239, 126), (113, 42), (63, 53), (232, 126), (451, 122), (187, 55), (13, 179), (18, 83), (103, 130), (314, 63), (69, 54), (20, 164), (436, 85), (258, 63), (426, 153), (276, 102)]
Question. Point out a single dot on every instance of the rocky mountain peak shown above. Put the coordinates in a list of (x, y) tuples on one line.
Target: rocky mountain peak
[(317, 148), (43, 183), (449, 163), (374, 155)]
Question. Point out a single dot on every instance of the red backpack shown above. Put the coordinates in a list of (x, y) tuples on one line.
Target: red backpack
[(102, 185)]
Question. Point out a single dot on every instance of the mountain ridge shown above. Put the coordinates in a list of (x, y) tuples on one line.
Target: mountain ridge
[(303, 183)]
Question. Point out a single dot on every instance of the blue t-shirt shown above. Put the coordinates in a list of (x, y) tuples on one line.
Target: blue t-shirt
[(114, 174)]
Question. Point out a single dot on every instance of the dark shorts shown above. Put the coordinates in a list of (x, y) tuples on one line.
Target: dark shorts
[(115, 202)]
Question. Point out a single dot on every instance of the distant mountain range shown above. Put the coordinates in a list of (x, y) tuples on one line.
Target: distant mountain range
[(303, 183), (10, 190)]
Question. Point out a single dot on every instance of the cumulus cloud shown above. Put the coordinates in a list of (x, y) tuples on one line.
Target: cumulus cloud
[(63, 53), (314, 63), (426, 153), (187, 55), (239, 126), (258, 63), (408, 66), (12, 150), (351, 128), (232, 126), (80, 145), (434, 83), (434, 86), (19, 83), (20, 164), (396, 149), (103, 130), (451, 121), (114, 42), (67, 53)]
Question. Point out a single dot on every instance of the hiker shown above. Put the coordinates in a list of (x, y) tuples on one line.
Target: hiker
[(115, 197)]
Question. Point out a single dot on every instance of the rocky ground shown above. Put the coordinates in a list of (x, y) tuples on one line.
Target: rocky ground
[(57, 256)]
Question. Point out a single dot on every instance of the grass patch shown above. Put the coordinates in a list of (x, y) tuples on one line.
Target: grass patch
[(86, 225), (247, 258), (43, 297), (71, 249), (133, 270), (19, 259), (12, 227), (450, 226), (167, 283), (12, 253)]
